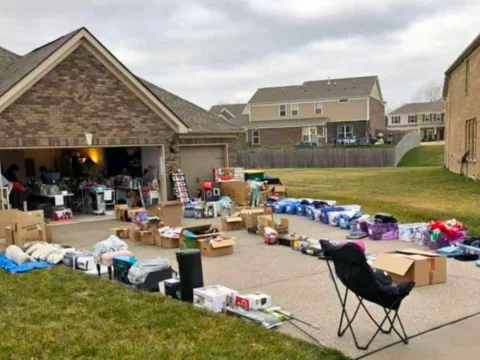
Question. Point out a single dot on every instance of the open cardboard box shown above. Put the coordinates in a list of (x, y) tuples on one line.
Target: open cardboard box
[(199, 232), (250, 217), (238, 191), (171, 212), (232, 223), (120, 212), (268, 221), (422, 267), (216, 247)]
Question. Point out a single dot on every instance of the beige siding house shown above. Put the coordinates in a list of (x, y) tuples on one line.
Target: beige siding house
[(462, 97), (315, 112), (426, 117)]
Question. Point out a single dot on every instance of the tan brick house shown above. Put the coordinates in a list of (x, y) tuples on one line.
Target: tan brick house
[(462, 96), (322, 111), (55, 95)]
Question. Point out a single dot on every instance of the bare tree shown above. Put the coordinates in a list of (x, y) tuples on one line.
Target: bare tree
[(429, 92)]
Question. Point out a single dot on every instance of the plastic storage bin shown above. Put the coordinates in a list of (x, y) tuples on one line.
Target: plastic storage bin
[(324, 213), (121, 266), (410, 232), (445, 239), (387, 231)]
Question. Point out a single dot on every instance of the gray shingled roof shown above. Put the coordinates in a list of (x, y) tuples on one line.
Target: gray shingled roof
[(24, 65), (312, 90), (423, 107), (196, 118), (7, 58), (236, 110)]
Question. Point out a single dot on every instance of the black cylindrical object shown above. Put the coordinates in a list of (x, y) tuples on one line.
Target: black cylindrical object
[(190, 271)]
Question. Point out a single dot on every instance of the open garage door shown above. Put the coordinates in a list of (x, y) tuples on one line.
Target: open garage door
[(197, 163)]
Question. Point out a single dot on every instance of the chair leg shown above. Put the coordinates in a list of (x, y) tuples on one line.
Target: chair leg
[(109, 273), (98, 270), (387, 319)]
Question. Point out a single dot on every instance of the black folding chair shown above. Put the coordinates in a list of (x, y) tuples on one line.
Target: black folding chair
[(354, 272)]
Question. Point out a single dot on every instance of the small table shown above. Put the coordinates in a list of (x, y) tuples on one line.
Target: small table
[(54, 200)]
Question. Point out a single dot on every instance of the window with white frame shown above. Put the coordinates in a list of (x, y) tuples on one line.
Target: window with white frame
[(426, 118), (412, 119), (396, 119), (256, 137), (294, 109), (345, 131), (318, 108), (307, 133), (283, 110), (471, 139)]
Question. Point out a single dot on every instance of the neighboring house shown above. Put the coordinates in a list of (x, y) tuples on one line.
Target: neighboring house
[(426, 117), (314, 112), (462, 96), (56, 95)]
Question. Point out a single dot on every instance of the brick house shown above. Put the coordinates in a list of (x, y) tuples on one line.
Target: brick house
[(55, 95), (323, 111), (425, 117), (462, 97)]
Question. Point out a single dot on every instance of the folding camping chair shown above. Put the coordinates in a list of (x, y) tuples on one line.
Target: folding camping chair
[(354, 272)]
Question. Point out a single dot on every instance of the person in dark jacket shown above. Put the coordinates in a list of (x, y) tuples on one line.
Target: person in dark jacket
[(11, 173)]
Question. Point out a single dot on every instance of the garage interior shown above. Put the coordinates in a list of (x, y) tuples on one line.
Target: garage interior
[(83, 184)]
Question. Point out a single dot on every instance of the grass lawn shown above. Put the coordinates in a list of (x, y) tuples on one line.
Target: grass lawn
[(424, 156), (410, 193), (61, 314)]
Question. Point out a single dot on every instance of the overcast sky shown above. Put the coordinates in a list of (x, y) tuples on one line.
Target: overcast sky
[(216, 51)]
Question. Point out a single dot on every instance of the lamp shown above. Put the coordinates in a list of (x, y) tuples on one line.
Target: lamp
[(89, 138), (174, 146)]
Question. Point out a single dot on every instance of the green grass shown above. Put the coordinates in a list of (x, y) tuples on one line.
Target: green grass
[(411, 193), (431, 155), (61, 314)]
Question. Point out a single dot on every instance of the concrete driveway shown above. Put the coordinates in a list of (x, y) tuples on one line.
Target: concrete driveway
[(301, 284)]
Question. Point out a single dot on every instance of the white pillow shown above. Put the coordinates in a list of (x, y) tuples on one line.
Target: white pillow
[(16, 254)]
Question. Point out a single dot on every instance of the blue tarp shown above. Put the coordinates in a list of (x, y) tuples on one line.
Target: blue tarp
[(12, 267)]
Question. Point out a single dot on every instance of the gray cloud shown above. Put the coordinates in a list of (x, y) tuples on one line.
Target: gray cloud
[(211, 51)]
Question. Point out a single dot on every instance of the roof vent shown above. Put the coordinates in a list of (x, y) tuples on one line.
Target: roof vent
[(329, 82)]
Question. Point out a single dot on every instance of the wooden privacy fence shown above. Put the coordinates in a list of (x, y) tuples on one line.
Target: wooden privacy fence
[(328, 157)]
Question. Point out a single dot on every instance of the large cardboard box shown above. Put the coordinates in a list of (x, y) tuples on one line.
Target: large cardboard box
[(26, 227), (238, 191), (232, 223), (422, 267), (169, 242), (171, 212), (250, 217), (216, 247)]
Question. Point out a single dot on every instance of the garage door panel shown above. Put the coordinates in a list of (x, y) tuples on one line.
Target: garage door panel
[(197, 163)]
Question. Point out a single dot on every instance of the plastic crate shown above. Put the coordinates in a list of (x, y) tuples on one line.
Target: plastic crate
[(445, 240), (387, 231)]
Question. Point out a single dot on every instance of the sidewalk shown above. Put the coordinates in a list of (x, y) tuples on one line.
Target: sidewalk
[(457, 341)]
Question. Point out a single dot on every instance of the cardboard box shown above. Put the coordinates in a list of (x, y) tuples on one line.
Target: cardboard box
[(171, 212), (169, 243), (120, 212), (232, 223), (199, 232), (280, 191), (265, 221), (137, 235), (6, 219), (49, 233), (214, 298), (422, 267), (282, 228), (250, 217), (26, 227), (216, 247), (147, 237), (9, 235), (238, 191), (122, 233)]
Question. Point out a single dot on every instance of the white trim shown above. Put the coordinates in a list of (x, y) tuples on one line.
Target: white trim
[(277, 126), (233, 116), (291, 110), (101, 53), (323, 100), (368, 109), (279, 110), (258, 136)]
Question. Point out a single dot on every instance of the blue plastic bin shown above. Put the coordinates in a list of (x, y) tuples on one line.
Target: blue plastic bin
[(324, 213)]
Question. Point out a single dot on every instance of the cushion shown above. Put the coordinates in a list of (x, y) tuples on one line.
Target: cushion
[(16, 254), (107, 258)]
